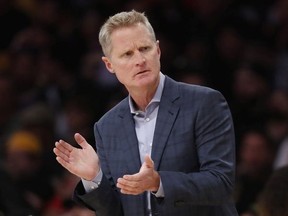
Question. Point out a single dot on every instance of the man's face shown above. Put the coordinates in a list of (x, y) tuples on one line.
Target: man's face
[(134, 57)]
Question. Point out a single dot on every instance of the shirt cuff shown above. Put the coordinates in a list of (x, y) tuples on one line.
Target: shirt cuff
[(94, 183), (160, 192)]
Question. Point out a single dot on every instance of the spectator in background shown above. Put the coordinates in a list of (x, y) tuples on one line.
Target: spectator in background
[(8, 106), (278, 102), (39, 119), (23, 190), (12, 20), (249, 103), (60, 203), (226, 59), (277, 125), (281, 72), (282, 154), (26, 49), (274, 197), (254, 168), (78, 115)]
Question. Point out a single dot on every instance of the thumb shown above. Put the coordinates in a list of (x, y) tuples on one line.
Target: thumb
[(81, 140), (148, 161)]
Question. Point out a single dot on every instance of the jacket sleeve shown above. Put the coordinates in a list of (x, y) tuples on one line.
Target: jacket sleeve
[(104, 200)]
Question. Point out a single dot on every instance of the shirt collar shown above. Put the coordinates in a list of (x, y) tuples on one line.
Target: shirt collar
[(156, 98)]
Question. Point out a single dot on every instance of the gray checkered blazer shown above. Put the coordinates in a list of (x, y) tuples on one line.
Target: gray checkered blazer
[(193, 151)]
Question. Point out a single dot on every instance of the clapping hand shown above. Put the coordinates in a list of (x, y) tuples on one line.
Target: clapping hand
[(82, 162), (147, 179)]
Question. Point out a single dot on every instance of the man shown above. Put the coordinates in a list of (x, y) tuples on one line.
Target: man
[(166, 149)]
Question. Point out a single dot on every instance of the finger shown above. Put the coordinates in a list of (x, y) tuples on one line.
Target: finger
[(127, 189), (81, 140), (135, 177), (129, 192), (60, 149), (149, 162), (60, 154), (63, 146), (63, 162), (127, 183)]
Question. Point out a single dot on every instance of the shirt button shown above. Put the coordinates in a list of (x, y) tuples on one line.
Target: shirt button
[(147, 119)]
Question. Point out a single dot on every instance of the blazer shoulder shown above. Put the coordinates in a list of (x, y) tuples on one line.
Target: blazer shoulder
[(193, 92), (170, 83), (198, 89)]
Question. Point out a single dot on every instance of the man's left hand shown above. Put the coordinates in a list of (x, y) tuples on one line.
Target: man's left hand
[(147, 179)]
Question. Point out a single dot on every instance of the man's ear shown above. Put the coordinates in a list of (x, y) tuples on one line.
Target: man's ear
[(108, 64), (158, 47)]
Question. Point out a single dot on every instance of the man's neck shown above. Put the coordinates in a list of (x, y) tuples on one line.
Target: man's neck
[(142, 99)]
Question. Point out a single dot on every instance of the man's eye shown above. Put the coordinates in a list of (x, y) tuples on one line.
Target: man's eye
[(146, 48), (128, 53)]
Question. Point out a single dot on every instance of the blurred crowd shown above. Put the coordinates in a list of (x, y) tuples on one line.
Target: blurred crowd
[(53, 84)]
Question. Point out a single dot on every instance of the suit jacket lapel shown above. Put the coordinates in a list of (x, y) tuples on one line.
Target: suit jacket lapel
[(167, 113), (130, 143)]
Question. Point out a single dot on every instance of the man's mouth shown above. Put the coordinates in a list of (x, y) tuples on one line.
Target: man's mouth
[(141, 72)]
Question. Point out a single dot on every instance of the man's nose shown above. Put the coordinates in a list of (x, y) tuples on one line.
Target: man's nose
[(140, 58)]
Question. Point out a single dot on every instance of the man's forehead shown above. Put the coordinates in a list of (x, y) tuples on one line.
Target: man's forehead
[(129, 30), (129, 37)]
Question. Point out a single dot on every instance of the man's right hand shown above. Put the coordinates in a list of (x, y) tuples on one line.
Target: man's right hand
[(82, 162)]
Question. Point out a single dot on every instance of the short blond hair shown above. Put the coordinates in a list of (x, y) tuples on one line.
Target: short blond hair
[(119, 20)]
